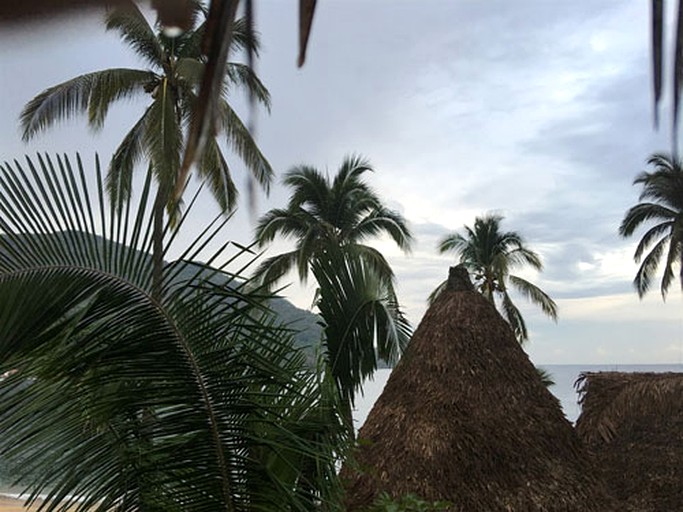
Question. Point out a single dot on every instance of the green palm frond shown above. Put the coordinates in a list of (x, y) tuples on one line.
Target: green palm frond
[(282, 222), (134, 29), (163, 138), (436, 292), (514, 318), (362, 319), (648, 268), (241, 75), (452, 243), (272, 269), (92, 93), (546, 377), (382, 220), (310, 190), (193, 400), (128, 154), (644, 212), (659, 230), (240, 140), (535, 295), (663, 190), (374, 259), (214, 170)]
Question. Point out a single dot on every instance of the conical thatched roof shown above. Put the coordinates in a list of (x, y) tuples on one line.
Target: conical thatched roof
[(633, 422), (465, 418)]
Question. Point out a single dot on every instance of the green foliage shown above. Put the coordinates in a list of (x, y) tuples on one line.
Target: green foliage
[(324, 212), (407, 503), (330, 219), (192, 399), (361, 318), (490, 256), (661, 203), (171, 84), (546, 377)]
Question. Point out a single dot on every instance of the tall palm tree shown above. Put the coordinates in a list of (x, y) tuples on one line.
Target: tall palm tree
[(490, 256), (171, 82), (330, 219), (661, 202), (321, 212)]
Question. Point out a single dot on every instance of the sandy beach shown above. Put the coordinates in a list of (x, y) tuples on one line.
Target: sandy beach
[(10, 504)]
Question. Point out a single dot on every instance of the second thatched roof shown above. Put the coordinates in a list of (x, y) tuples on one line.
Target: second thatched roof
[(633, 422), (465, 418)]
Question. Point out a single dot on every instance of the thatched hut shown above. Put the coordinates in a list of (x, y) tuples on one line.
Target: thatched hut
[(465, 418), (633, 422)]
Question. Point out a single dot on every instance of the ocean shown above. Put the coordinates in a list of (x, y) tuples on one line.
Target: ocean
[(564, 375)]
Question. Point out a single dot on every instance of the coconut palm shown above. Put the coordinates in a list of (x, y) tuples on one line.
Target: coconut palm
[(195, 400), (324, 212), (170, 81), (661, 203), (490, 256), (330, 219)]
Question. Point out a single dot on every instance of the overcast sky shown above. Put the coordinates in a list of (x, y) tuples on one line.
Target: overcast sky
[(538, 110)]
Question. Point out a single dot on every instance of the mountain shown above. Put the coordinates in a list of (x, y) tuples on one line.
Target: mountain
[(307, 331)]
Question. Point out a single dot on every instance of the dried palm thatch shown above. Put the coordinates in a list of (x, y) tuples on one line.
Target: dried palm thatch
[(633, 422), (465, 418)]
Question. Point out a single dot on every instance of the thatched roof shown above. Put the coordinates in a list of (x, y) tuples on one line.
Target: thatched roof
[(465, 418), (633, 422)]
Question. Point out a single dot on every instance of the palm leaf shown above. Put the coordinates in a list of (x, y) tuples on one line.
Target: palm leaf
[(534, 294), (92, 92), (648, 267), (362, 320), (134, 29), (514, 318), (132, 401)]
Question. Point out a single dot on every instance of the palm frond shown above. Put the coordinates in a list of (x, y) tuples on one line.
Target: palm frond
[(241, 75), (163, 138), (134, 29), (193, 400), (362, 319), (452, 243), (659, 230), (240, 140), (272, 269), (436, 292), (282, 222), (92, 93), (534, 294), (648, 268), (644, 212), (214, 170), (127, 155), (514, 318), (382, 220)]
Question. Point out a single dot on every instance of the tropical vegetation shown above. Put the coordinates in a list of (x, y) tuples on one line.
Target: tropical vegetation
[(491, 255), (170, 83), (192, 399), (330, 219), (661, 206)]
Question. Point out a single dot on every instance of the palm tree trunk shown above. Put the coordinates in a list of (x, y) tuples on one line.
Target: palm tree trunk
[(158, 243)]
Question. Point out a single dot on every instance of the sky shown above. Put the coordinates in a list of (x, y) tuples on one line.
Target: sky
[(540, 111)]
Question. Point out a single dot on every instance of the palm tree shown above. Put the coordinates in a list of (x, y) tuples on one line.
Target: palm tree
[(330, 219), (170, 81), (195, 400), (490, 255), (321, 212), (661, 202)]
